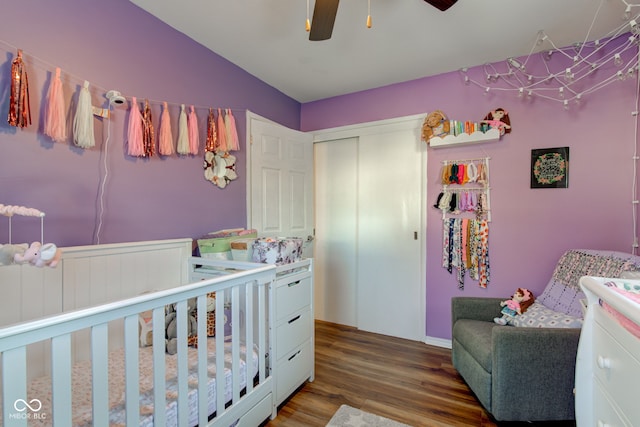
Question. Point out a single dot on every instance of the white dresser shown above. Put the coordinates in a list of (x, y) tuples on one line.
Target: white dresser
[(608, 360), (294, 334)]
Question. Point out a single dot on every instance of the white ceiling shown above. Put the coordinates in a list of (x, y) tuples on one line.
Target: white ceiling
[(409, 38)]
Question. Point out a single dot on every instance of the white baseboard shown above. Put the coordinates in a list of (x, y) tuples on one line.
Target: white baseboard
[(438, 342)]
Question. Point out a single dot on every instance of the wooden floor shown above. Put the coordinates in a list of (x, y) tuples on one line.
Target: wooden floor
[(407, 381)]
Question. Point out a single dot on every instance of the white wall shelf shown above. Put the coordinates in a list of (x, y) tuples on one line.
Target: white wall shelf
[(477, 137)]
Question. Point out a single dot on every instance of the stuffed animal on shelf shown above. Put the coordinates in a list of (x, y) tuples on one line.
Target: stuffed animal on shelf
[(498, 119), (9, 251), (518, 304), (435, 124)]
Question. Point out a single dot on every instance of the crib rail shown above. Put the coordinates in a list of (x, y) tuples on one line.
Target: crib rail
[(246, 289)]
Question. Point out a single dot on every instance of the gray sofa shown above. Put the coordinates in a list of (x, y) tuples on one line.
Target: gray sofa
[(526, 373)]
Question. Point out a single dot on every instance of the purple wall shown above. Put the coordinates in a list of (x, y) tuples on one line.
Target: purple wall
[(530, 228), (116, 45)]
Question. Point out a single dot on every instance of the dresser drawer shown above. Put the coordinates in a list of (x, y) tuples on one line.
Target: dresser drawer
[(293, 332), (293, 370), (604, 413), (617, 371), (292, 297)]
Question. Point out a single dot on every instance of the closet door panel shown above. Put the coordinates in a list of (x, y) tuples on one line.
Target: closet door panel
[(389, 234), (336, 165)]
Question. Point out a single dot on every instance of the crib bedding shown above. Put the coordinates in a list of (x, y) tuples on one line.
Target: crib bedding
[(40, 388)]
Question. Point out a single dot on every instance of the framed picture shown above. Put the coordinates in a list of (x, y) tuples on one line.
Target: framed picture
[(550, 167)]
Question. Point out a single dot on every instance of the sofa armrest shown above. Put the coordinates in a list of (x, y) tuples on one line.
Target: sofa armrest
[(475, 308), (538, 363)]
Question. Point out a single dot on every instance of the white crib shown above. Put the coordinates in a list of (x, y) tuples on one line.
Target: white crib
[(83, 317)]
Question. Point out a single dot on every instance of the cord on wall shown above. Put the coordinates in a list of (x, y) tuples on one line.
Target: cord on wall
[(634, 185), (104, 182)]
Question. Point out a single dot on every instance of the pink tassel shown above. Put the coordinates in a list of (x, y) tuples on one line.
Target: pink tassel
[(165, 136), (222, 132), (232, 133), (194, 135), (54, 120), (136, 146)]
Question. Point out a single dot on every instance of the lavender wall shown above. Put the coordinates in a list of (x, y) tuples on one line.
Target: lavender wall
[(530, 228), (116, 45)]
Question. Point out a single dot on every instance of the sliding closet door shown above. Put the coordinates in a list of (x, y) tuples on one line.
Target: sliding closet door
[(336, 230)]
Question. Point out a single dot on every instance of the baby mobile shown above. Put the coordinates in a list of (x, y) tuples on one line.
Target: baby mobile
[(221, 138)]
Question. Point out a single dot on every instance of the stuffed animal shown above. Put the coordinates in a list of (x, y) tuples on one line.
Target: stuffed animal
[(498, 119), (171, 326), (518, 304), (435, 124), (40, 255), (30, 254), (9, 251)]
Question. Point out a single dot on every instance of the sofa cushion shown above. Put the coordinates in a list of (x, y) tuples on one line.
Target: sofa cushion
[(539, 316), (475, 337), (563, 293)]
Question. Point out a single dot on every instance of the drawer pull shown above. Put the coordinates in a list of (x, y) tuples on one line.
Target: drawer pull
[(603, 424), (293, 283), (294, 319), (293, 355), (604, 362)]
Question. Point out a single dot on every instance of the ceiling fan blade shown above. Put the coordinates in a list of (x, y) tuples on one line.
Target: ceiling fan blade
[(441, 4), (324, 16)]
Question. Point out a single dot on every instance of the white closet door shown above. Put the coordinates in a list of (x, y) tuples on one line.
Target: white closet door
[(336, 231), (390, 244)]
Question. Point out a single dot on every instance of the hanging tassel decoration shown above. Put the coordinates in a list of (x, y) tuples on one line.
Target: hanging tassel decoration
[(233, 144), (148, 134), (165, 136), (83, 135), (19, 109), (222, 132), (183, 132), (136, 146), (212, 137), (194, 135), (54, 120)]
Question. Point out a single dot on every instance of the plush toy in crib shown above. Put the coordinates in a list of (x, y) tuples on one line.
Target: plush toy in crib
[(518, 304), (171, 326), (40, 255), (8, 252)]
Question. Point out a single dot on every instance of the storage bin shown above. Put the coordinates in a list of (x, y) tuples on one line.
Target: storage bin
[(242, 249), (277, 250), (218, 243)]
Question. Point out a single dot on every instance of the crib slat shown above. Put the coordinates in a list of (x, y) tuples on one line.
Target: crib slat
[(220, 377), (159, 380), (235, 342), (61, 379), (100, 374), (262, 359), (14, 385), (248, 309), (183, 386), (203, 394), (132, 376)]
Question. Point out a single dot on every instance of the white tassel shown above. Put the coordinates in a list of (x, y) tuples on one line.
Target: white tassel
[(183, 133), (83, 135)]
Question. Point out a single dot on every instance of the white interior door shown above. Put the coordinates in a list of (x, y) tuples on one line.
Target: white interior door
[(370, 227), (336, 195), (280, 182)]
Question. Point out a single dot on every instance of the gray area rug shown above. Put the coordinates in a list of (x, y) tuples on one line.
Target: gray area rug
[(346, 416)]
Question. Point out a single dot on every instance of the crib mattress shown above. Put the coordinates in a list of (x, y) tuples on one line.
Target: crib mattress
[(40, 388)]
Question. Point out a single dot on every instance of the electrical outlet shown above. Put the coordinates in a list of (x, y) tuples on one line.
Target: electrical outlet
[(101, 112)]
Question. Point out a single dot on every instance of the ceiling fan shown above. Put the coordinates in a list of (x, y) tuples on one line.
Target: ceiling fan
[(324, 16)]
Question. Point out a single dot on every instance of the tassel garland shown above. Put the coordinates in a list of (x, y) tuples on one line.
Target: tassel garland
[(165, 137), (134, 132), (232, 133), (194, 135), (212, 137), (148, 137), (55, 125), (19, 110), (83, 135), (183, 133), (222, 132)]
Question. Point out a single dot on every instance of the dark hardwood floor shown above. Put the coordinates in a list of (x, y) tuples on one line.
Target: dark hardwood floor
[(407, 381)]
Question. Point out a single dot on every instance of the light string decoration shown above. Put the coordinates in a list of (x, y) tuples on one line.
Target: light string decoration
[(583, 68)]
